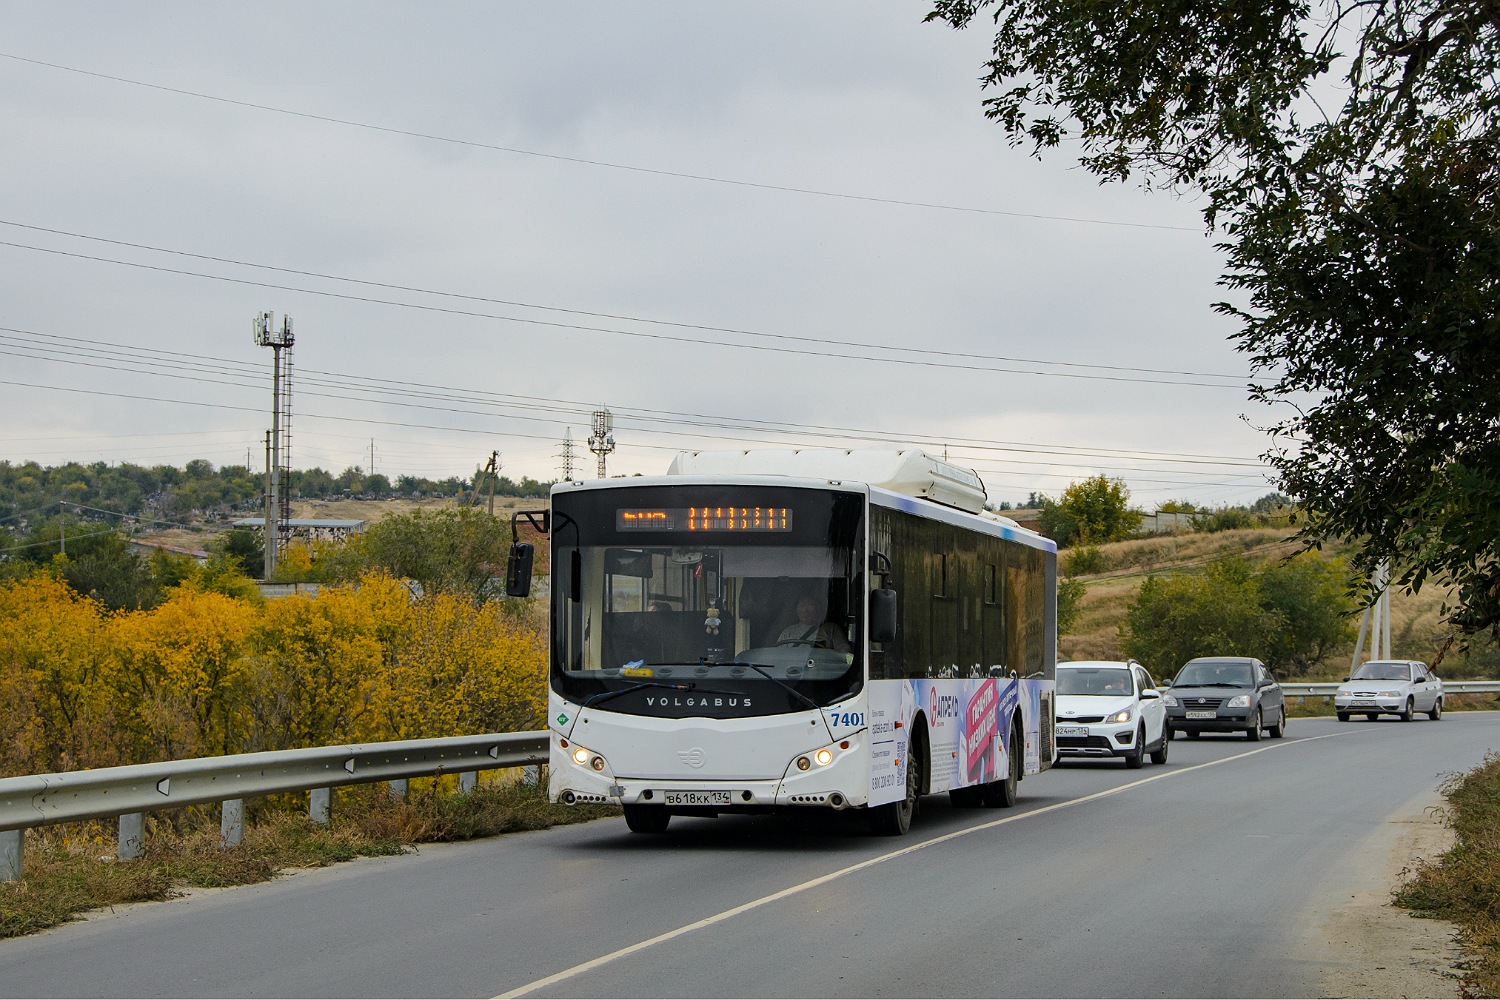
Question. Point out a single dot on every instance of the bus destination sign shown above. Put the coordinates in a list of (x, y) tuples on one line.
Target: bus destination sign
[(697, 519)]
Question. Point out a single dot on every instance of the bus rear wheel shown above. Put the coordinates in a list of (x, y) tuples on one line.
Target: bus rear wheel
[(647, 819)]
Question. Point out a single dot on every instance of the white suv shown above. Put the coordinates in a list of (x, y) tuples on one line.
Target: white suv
[(1110, 708)]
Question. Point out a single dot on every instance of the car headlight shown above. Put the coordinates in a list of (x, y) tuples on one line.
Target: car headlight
[(1170, 701), (1123, 715), (1238, 701), (1390, 694)]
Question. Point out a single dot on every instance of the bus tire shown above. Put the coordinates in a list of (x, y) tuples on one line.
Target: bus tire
[(647, 819), (1002, 794), (894, 818)]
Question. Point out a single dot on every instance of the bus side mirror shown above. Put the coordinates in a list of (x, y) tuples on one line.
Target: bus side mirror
[(882, 615), (518, 570)]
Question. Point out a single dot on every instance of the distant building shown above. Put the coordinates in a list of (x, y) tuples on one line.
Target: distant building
[(1164, 521), (311, 529)]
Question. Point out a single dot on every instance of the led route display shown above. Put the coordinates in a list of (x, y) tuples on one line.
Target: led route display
[(703, 519)]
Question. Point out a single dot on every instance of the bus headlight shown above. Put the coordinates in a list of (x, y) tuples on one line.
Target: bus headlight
[(584, 757), (824, 756)]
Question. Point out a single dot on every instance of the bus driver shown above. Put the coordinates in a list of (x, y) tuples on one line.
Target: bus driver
[(810, 629)]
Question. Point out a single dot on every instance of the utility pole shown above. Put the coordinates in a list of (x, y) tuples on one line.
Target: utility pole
[(267, 537), (569, 463), (372, 456), (278, 447), (1376, 621), (602, 441), (494, 475), (62, 527)]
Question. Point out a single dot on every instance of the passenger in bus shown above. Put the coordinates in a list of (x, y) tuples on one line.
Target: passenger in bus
[(811, 630)]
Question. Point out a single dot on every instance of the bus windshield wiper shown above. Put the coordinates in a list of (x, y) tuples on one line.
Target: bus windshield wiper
[(767, 675)]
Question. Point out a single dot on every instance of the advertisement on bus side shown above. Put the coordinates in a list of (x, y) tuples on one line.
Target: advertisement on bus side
[(968, 721)]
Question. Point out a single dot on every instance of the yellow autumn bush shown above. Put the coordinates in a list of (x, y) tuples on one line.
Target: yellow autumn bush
[(208, 673)]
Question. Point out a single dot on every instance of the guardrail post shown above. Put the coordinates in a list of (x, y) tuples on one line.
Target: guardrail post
[(12, 848), (467, 782), (532, 775), (398, 789), (320, 805), (232, 822), (132, 837)]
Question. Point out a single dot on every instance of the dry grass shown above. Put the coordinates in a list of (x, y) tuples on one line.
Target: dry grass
[(70, 870), (1464, 884), (1416, 621)]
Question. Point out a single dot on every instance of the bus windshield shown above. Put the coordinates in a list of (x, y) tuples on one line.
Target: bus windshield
[(715, 601)]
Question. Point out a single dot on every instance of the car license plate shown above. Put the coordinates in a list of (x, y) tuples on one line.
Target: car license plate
[(1071, 731), (1363, 704), (1203, 715), (717, 797)]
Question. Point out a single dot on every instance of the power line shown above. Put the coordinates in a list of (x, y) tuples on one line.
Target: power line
[(584, 161), (695, 434), (613, 331), (862, 345), (196, 363), (357, 420)]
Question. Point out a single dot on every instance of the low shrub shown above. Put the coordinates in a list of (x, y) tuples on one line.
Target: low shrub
[(1464, 884)]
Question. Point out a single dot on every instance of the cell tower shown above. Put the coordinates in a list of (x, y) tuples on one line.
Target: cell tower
[(602, 441), (569, 460), (279, 439)]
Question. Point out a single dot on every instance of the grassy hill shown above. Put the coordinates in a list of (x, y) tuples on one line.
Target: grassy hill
[(1416, 627)]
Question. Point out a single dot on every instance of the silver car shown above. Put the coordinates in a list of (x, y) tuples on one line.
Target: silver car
[(1390, 687)]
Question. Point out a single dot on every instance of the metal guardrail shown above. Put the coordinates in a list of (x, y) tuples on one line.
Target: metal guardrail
[(133, 790), (1328, 690)]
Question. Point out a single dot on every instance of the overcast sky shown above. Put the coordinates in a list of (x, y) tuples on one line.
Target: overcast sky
[(518, 171)]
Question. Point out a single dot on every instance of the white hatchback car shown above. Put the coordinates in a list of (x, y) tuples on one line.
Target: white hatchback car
[(1110, 708), (1390, 687)]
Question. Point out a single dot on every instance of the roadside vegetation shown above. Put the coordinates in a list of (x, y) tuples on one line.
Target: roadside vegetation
[(1463, 886), (69, 869)]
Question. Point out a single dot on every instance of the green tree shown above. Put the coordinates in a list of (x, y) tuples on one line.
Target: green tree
[(1070, 591), (456, 550), (1348, 153), (1092, 511), (1311, 597), (1176, 618)]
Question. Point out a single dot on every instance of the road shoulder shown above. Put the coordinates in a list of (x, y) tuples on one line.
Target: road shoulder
[(1361, 945)]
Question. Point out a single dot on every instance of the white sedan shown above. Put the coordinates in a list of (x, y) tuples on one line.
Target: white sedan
[(1390, 687), (1109, 708)]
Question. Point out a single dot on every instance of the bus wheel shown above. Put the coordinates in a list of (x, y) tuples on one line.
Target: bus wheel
[(1002, 794), (894, 818), (647, 819)]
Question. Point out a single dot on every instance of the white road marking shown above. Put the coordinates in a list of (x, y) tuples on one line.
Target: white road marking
[(718, 918)]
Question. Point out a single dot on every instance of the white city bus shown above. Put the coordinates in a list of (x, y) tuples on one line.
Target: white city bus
[(794, 629)]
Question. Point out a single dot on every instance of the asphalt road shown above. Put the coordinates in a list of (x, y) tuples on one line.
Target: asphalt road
[(1187, 879)]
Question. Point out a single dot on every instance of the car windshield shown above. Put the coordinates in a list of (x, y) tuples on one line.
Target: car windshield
[(1214, 673), (1382, 672), (1112, 681)]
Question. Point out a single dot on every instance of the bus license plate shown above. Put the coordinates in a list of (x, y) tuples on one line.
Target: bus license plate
[(1203, 715), (1071, 731), (717, 797)]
